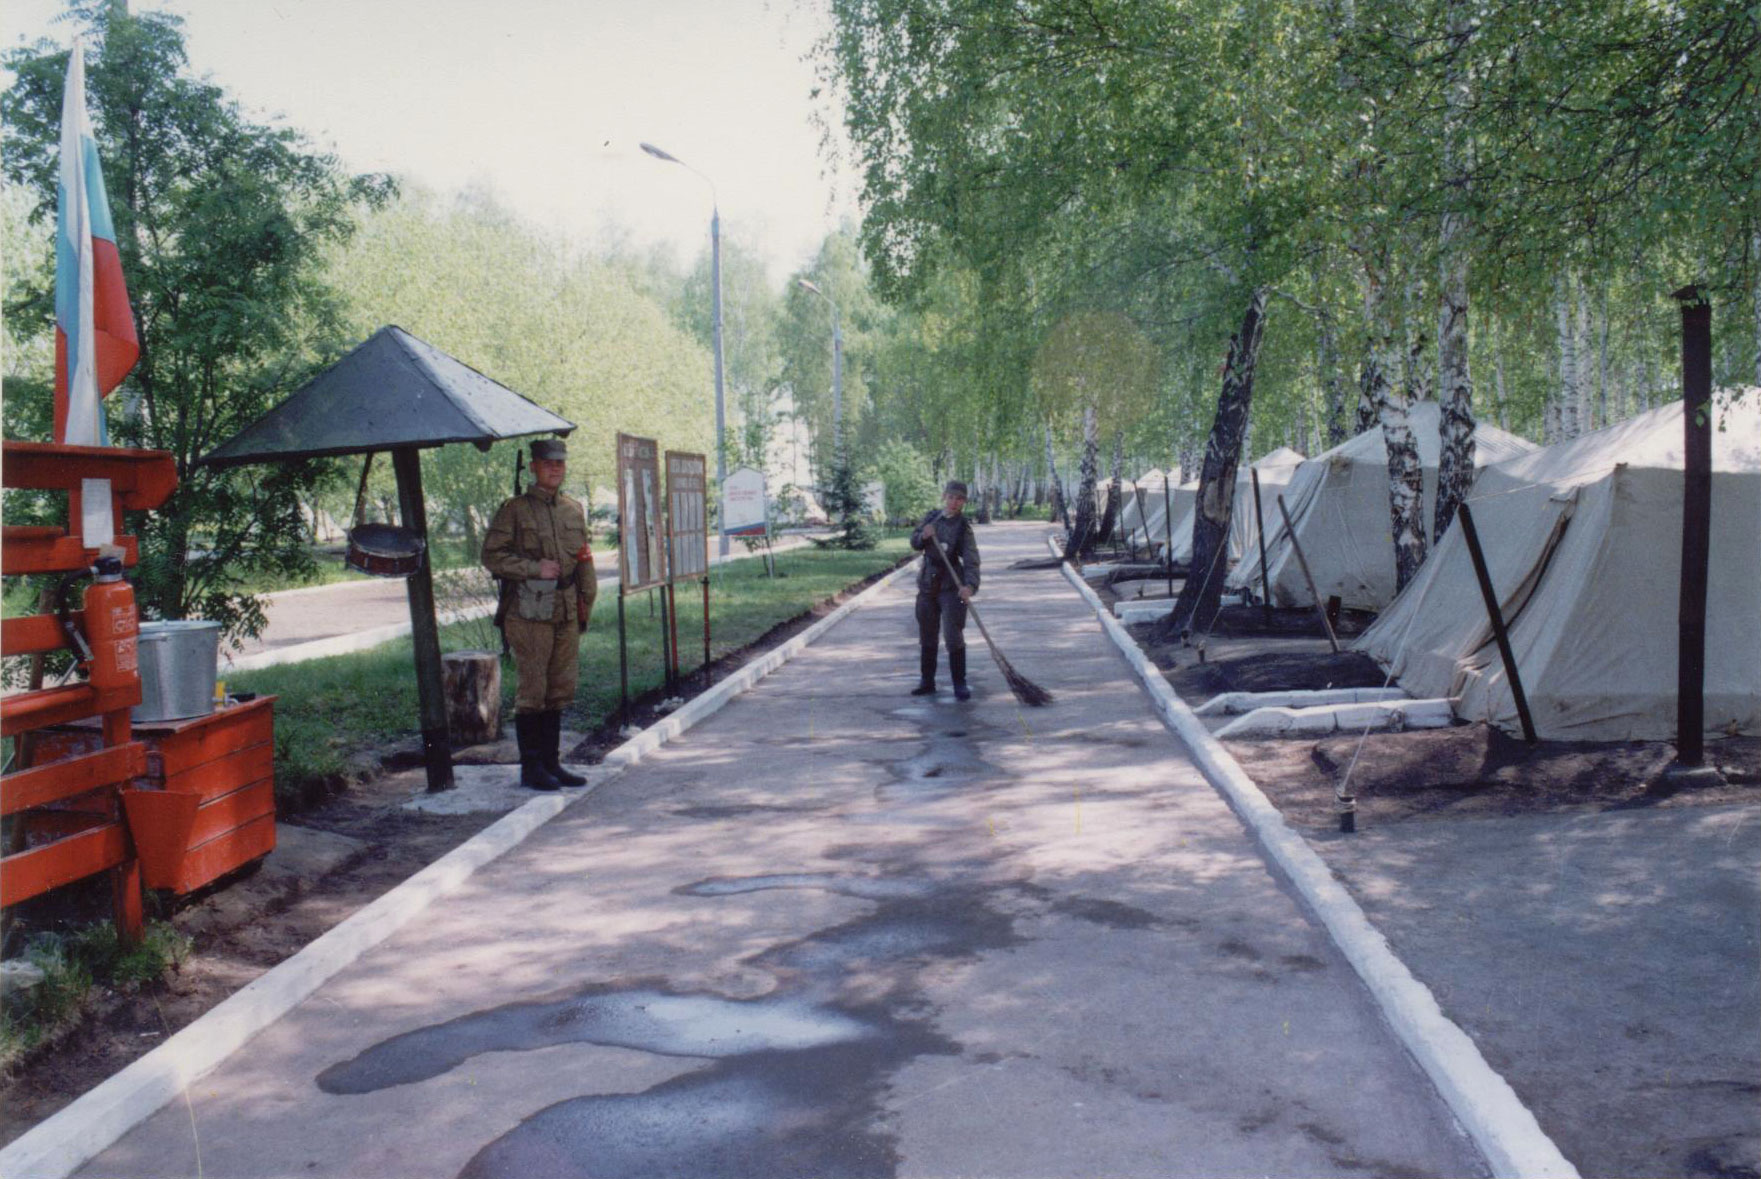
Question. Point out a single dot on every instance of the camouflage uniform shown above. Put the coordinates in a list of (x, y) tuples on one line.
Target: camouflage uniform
[(529, 528), (542, 618)]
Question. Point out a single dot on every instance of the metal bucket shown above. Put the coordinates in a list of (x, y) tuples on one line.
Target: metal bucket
[(178, 669)]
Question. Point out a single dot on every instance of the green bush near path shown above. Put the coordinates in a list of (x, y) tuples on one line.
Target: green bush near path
[(332, 712)]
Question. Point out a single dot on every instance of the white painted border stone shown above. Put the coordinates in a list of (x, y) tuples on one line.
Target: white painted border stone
[(1500, 1125), (67, 1140)]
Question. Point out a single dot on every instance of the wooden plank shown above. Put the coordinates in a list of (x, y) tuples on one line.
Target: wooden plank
[(221, 855), (232, 811), (59, 780), (33, 873), (58, 553), (204, 739), (55, 706), (223, 775), (36, 632), (143, 478)]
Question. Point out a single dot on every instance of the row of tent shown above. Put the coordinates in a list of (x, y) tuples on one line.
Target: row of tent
[(1583, 545)]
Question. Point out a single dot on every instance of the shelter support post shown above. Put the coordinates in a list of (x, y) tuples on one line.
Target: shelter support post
[(706, 625), (1259, 523), (672, 599), (666, 647), (1472, 535), (1696, 312), (1168, 532), (1303, 564), (406, 461)]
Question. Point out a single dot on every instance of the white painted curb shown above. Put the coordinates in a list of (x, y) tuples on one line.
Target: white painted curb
[(1321, 719), (1501, 1126), (65, 1141), (1242, 703)]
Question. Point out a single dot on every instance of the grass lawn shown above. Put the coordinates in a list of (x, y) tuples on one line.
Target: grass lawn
[(333, 710)]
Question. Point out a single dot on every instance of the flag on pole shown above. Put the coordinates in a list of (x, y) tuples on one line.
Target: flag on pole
[(95, 342)]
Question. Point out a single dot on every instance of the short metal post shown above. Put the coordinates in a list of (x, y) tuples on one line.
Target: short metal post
[(623, 666), (1472, 535), (1168, 532), (1302, 563), (706, 630)]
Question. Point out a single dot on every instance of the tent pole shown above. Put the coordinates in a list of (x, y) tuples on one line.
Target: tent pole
[(1302, 563), (1472, 535), (406, 461), (1259, 521)]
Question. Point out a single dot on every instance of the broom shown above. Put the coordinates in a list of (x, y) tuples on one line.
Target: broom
[(1026, 691)]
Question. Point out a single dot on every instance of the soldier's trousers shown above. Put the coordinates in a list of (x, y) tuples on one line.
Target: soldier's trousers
[(943, 610), (547, 660)]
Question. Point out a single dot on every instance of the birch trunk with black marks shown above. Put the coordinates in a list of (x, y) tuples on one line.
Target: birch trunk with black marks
[(1060, 505), (1332, 384), (981, 491), (1565, 317), (1115, 488), (1602, 418), (1079, 542), (1200, 597), (1455, 461), (1368, 373), (1498, 392), (1406, 488)]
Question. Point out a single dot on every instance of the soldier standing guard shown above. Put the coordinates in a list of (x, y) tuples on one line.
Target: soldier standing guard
[(537, 547), (941, 600)]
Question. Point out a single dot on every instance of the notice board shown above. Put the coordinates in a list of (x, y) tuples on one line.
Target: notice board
[(743, 506), (687, 517), (641, 559)]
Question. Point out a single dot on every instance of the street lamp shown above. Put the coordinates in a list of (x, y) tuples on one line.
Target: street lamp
[(837, 368), (715, 265)]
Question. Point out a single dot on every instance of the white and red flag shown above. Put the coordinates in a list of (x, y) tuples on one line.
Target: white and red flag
[(95, 341)]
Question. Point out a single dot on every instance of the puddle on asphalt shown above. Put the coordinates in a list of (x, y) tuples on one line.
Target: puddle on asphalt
[(795, 1082), (868, 888), (649, 1020)]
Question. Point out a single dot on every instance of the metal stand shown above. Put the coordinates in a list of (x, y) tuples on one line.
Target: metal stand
[(706, 626), (623, 667)]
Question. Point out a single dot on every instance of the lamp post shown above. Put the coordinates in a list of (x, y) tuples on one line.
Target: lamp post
[(715, 265), (837, 367)]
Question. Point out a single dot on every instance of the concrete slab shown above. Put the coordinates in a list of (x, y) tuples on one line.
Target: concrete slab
[(480, 789), (836, 930)]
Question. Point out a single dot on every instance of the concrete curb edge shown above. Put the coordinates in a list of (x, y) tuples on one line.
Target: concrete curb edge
[(1494, 1117), (71, 1137)]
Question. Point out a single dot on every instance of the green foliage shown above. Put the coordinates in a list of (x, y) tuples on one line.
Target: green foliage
[(220, 222), (905, 472), (73, 963), (843, 500)]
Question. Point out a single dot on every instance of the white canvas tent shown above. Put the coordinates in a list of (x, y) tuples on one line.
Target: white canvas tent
[(1583, 546), (1145, 513), (1275, 470), (1338, 504)]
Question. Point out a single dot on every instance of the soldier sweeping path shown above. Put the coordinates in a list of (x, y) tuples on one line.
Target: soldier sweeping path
[(943, 593), (537, 547)]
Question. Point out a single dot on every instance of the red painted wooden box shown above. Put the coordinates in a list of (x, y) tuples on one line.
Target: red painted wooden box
[(206, 804)]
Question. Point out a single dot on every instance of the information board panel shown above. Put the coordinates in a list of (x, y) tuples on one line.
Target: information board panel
[(743, 503), (687, 520), (641, 559)]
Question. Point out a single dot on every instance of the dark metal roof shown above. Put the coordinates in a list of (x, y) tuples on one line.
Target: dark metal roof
[(393, 390)]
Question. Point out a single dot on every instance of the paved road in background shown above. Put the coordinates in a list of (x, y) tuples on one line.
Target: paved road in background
[(836, 930), (349, 607)]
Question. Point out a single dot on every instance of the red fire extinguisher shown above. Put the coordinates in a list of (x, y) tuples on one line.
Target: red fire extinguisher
[(109, 646)]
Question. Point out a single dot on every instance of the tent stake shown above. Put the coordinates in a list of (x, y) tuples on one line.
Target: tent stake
[(1302, 562), (1472, 535)]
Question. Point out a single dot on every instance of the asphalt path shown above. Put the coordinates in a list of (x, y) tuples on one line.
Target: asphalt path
[(837, 930)]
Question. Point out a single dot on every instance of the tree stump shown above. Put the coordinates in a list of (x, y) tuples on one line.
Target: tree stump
[(472, 681)]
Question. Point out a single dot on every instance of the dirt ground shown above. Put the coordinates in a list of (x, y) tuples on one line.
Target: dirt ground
[(1466, 771), (241, 926)]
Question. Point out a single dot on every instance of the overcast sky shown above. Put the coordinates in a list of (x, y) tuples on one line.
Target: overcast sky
[(543, 100)]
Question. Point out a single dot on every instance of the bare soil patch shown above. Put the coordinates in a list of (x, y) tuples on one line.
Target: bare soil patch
[(1466, 771), (239, 932)]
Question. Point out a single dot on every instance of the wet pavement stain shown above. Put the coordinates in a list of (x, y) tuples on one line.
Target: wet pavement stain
[(796, 1081), (1112, 914)]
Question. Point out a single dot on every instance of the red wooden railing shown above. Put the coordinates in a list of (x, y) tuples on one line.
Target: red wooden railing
[(70, 808)]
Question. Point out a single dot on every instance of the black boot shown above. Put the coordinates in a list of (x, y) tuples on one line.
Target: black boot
[(553, 736), (529, 732), (926, 672), (957, 669)]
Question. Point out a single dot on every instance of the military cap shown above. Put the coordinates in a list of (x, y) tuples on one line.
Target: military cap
[(550, 448), (955, 487)]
